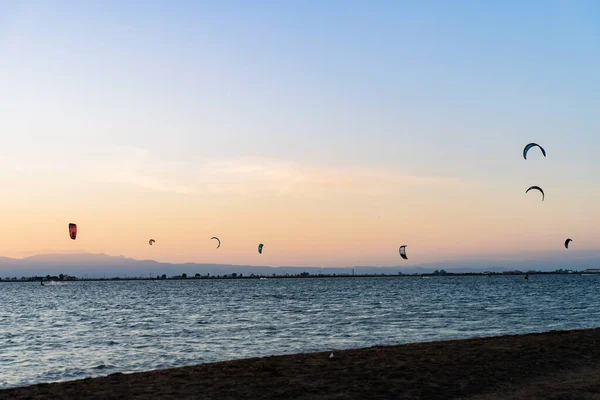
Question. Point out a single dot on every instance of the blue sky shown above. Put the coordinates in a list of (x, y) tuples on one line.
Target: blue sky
[(436, 90), (302, 79)]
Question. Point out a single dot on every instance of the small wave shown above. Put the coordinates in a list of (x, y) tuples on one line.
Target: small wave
[(100, 366)]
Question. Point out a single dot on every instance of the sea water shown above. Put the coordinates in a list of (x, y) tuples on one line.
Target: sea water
[(78, 329)]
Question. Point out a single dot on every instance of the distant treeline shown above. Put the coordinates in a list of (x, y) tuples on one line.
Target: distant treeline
[(63, 277)]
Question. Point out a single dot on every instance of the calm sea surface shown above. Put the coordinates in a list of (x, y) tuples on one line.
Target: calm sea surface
[(74, 330)]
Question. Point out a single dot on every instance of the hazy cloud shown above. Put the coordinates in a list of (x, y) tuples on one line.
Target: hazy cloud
[(245, 175)]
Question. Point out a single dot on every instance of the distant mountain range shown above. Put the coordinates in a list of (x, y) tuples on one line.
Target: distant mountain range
[(102, 265)]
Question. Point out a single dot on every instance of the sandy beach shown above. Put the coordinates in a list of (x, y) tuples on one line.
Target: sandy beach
[(553, 365)]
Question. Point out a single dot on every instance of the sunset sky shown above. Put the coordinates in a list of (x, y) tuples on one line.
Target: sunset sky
[(333, 132)]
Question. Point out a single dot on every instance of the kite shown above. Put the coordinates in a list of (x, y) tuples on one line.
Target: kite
[(402, 251), (73, 231), (537, 188), (529, 146)]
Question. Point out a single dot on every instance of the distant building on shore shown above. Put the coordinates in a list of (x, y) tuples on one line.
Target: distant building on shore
[(592, 271)]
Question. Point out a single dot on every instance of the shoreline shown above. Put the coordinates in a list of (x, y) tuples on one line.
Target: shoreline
[(315, 276), (556, 364)]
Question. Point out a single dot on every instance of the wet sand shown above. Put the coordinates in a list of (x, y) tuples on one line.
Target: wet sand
[(553, 365)]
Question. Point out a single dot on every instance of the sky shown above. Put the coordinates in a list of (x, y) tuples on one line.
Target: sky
[(332, 132)]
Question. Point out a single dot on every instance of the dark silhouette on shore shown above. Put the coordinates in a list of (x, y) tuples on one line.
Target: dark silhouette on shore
[(197, 276)]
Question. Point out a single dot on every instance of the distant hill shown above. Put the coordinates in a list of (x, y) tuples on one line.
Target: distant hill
[(102, 265)]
